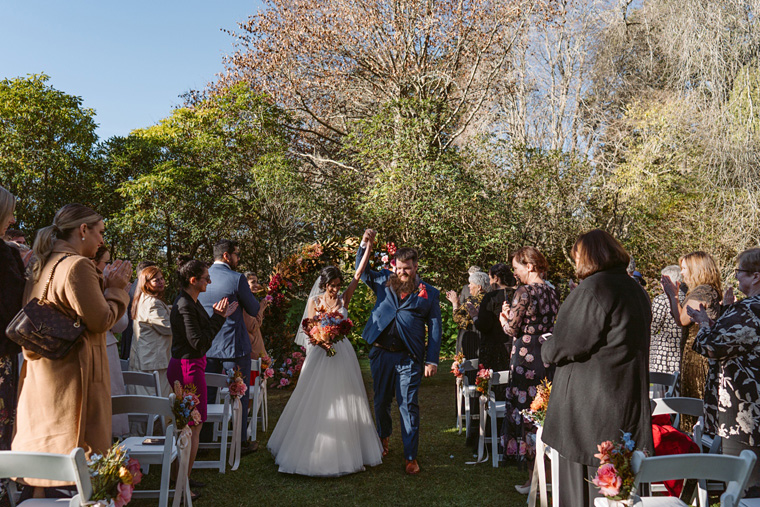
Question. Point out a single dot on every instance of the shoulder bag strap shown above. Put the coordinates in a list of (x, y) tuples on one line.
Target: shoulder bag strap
[(44, 298)]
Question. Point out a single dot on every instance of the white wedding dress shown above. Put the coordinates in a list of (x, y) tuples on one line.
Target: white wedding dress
[(326, 429)]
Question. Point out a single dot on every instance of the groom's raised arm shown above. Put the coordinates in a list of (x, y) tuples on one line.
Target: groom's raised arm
[(435, 329)]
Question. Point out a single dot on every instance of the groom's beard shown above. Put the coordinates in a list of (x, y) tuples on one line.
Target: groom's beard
[(399, 287)]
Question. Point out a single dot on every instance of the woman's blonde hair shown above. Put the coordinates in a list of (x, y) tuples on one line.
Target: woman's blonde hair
[(7, 206), (702, 271), (66, 222), (145, 276)]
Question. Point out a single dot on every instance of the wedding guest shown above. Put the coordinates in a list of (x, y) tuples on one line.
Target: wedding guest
[(152, 332), (465, 292), (125, 346), (253, 323), (665, 347), (232, 347), (530, 315), (12, 281), (732, 346), (66, 403), (495, 344), (600, 348), (192, 333), (702, 276), (15, 236), (478, 287), (119, 422)]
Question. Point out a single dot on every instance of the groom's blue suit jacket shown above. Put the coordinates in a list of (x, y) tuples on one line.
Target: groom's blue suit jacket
[(412, 315)]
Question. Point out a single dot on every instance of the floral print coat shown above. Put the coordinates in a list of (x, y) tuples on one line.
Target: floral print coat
[(732, 393)]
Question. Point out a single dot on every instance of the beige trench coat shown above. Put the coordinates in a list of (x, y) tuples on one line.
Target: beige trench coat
[(66, 403), (253, 326)]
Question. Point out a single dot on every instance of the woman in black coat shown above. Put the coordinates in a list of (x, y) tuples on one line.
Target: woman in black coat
[(601, 349), (495, 344)]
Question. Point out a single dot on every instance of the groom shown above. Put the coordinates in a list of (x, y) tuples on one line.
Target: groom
[(396, 330)]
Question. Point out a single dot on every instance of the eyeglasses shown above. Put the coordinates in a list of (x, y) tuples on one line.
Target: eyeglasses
[(737, 271), (207, 278)]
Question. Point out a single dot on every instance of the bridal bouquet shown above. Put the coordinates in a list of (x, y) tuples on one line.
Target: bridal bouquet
[(114, 476), (326, 330), (537, 410), (184, 405), (614, 477)]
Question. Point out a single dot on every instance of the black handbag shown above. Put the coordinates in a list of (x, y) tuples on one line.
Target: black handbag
[(42, 328)]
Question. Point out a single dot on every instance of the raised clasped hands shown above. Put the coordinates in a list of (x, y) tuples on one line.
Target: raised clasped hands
[(471, 309), (117, 274), (369, 237), (729, 297), (225, 308)]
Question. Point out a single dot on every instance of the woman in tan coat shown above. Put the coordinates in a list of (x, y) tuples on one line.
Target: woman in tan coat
[(66, 403), (253, 323)]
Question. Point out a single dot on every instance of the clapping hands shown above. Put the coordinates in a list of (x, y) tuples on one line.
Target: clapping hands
[(699, 316), (117, 274), (670, 288), (225, 308)]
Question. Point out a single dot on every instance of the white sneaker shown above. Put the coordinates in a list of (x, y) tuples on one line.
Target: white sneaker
[(523, 490)]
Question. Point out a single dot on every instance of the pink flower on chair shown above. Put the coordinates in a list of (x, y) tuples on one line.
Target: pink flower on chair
[(124, 496), (607, 480), (134, 468), (605, 449)]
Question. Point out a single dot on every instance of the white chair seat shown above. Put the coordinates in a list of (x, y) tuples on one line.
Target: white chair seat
[(148, 454), (652, 501), (46, 502), (750, 502), (218, 414)]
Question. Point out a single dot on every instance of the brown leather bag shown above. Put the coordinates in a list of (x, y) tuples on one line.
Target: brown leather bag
[(42, 328)]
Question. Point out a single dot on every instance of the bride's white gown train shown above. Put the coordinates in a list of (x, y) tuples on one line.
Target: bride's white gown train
[(326, 429)]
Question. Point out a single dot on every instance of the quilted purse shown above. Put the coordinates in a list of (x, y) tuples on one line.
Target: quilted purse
[(40, 327)]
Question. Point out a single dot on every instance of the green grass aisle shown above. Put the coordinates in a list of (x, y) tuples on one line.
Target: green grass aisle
[(445, 479)]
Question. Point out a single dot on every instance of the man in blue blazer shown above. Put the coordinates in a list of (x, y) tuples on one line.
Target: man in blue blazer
[(231, 347), (405, 307)]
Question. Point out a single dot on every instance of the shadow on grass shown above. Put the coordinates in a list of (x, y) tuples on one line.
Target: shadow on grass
[(444, 480)]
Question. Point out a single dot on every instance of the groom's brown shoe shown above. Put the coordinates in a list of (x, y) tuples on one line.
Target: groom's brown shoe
[(384, 441), (412, 468)]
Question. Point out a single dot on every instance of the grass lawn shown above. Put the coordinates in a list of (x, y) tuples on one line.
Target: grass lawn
[(444, 480)]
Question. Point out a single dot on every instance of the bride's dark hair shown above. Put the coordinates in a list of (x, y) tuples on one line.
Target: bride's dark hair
[(327, 275)]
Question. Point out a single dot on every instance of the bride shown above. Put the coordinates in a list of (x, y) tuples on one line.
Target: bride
[(326, 429)]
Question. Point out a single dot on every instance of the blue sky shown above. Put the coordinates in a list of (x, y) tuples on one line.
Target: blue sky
[(128, 60)]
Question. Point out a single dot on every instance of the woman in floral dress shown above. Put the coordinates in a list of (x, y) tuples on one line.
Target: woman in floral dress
[(530, 315), (732, 347)]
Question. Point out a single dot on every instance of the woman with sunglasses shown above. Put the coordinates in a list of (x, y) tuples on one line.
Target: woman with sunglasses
[(732, 346)]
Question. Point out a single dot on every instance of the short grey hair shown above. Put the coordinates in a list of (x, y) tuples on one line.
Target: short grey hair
[(673, 272), (480, 278), (474, 269)]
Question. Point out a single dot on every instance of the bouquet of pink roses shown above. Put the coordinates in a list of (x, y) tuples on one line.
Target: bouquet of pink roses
[(456, 366), (481, 381), (236, 383), (614, 477), (114, 476)]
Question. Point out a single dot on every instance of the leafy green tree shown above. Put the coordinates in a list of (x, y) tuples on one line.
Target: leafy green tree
[(47, 150)]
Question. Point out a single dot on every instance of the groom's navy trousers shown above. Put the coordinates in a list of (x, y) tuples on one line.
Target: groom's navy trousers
[(397, 374)]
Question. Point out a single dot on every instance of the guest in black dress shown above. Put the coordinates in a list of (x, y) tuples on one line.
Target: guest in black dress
[(600, 347), (495, 344), (11, 296)]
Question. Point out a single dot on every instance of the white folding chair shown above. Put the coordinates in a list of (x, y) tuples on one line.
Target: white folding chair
[(257, 392), (733, 470), (539, 484), (124, 364), (152, 382), (218, 414), (464, 392), (70, 467), (662, 385), (492, 409), (148, 454)]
